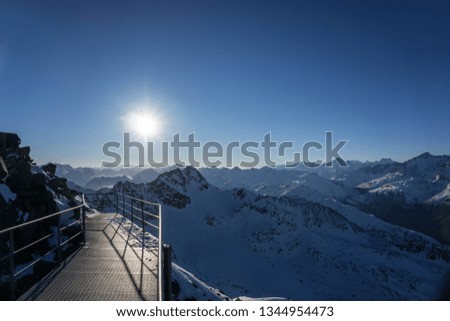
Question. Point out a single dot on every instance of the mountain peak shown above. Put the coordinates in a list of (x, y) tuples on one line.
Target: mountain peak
[(193, 175), (426, 158), (424, 155), (386, 160), (184, 178)]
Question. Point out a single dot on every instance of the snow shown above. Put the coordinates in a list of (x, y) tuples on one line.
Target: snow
[(191, 287), (315, 188), (22, 217), (442, 197), (381, 181), (37, 170), (6, 193)]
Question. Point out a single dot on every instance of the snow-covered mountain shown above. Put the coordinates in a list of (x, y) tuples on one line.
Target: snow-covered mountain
[(413, 194), (252, 179), (415, 180), (246, 244), (442, 197)]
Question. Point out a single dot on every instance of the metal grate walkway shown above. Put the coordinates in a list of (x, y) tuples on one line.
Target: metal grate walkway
[(106, 268)]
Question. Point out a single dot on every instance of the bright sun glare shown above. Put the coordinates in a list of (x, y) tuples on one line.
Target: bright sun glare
[(143, 122)]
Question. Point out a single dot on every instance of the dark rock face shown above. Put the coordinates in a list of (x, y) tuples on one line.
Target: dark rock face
[(169, 196), (169, 188), (182, 179), (50, 169), (28, 182), (9, 141)]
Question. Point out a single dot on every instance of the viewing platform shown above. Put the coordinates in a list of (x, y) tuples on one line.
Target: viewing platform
[(107, 267)]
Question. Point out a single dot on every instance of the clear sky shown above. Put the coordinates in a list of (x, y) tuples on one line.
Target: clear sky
[(376, 73)]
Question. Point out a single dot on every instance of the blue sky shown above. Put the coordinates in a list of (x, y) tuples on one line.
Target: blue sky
[(375, 73)]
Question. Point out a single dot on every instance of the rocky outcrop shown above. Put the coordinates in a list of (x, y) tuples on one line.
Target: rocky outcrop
[(26, 181), (170, 188), (183, 179), (29, 192)]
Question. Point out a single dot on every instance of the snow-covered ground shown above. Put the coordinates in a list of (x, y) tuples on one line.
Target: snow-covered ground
[(187, 286)]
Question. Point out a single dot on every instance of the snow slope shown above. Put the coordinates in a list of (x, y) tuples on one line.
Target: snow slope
[(441, 198), (412, 194)]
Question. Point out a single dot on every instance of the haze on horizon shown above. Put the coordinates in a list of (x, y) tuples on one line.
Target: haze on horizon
[(377, 74)]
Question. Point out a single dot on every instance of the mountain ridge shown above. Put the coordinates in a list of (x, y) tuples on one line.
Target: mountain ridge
[(393, 191)]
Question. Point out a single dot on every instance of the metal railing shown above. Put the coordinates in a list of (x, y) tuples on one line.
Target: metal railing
[(13, 251), (128, 206)]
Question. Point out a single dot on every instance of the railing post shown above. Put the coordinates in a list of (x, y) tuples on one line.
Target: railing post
[(12, 269), (160, 259), (143, 244), (83, 211), (117, 203), (59, 241), (131, 211), (167, 272), (143, 224), (123, 205)]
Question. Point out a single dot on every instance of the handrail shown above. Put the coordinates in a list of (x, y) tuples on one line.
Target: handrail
[(15, 227), (130, 213), (140, 200), (12, 251)]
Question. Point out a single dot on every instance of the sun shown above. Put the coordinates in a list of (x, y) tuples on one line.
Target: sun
[(143, 122)]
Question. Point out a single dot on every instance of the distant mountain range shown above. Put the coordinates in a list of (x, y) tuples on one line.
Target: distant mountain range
[(414, 194), (87, 179)]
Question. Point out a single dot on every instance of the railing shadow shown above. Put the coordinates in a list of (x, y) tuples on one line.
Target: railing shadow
[(120, 237), (149, 217)]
